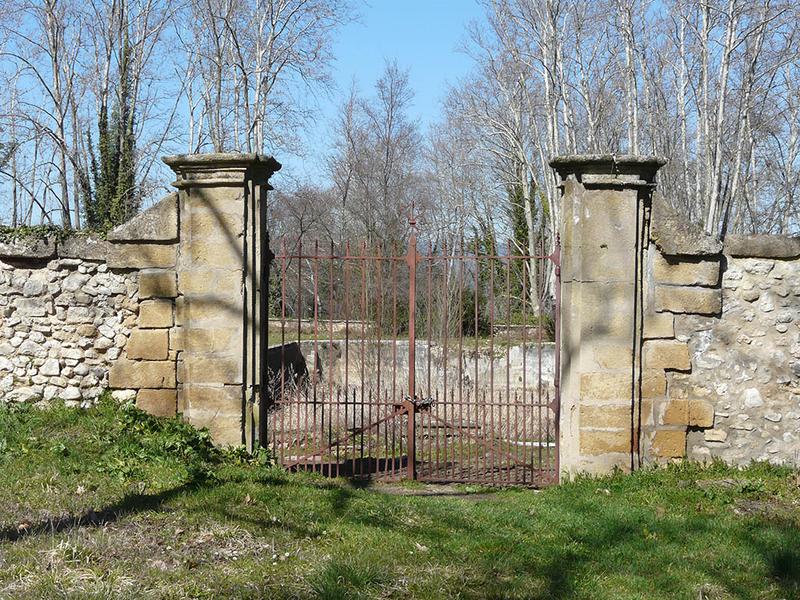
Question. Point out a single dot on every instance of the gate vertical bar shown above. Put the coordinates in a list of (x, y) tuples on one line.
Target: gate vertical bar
[(314, 371), (412, 434), (411, 261)]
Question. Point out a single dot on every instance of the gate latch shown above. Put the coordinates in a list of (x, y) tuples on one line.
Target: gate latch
[(420, 403)]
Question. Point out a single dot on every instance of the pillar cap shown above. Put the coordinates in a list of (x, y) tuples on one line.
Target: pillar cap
[(223, 169), (609, 169)]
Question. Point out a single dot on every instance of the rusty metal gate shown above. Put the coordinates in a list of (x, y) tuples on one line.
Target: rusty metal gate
[(431, 363)]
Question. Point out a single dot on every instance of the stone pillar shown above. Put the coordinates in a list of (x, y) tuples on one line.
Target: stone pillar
[(605, 393), (221, 201)]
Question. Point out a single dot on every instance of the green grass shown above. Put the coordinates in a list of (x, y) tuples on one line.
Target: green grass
[(112, 503)]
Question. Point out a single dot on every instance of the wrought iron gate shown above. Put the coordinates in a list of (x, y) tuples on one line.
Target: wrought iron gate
[(432, 363)]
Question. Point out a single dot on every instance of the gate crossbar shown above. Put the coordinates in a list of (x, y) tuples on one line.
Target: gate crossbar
[(398, 412)]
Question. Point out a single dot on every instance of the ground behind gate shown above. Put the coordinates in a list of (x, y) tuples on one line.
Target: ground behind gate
[(111, 503)]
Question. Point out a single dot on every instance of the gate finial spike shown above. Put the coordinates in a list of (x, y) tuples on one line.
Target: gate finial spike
[(412, 217)]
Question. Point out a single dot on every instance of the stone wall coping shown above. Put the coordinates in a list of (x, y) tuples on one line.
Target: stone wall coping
[(42, 248), (159, 223), (629, 169), (83, 246), (674, 235), (228, 169), (762, 246), (212, 159)]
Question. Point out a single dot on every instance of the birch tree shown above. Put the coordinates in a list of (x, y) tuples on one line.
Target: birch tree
[(42, 57), (254, 61), (699, 83)]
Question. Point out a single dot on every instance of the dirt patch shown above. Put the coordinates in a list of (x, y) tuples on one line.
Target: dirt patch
[(720, 484), (434, 490), (771, 509)]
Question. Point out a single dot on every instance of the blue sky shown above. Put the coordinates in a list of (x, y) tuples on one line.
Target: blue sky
[(423, 36)]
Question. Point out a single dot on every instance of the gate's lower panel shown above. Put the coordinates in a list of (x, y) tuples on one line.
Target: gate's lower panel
[(500, 439), (503, 439), (340, 434)]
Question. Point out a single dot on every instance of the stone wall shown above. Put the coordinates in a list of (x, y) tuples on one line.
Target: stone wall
[(682, 284), (65, 318), (156, 311), (733, 391), (83, 314), (522, 365), (148, 245)]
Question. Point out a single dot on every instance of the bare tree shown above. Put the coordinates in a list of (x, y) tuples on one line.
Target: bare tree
[(700, 83), (60, 60), (376, 164), (43, 58), (249, 58)]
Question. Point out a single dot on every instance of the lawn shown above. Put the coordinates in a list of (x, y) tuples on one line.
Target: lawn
[(110, 502)]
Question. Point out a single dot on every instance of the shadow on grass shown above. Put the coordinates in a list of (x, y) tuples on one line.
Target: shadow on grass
[(501, 550), (130, 504), (782, 561), (618, 542), (785, 566)]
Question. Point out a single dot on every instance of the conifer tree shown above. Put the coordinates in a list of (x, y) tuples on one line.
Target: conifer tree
[(115, 198)]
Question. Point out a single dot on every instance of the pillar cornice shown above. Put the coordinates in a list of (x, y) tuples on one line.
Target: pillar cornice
[(230, 169), (609, 170)]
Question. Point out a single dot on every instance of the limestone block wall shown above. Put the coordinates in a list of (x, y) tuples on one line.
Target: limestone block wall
[(65, 318), (607, 394), (673, 345), (210, 309), (734, 391), (682, 283), (148, 246)]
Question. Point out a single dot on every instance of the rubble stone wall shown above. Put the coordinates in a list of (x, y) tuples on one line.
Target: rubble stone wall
[(65, 317), (745, 361), (83, 314)]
